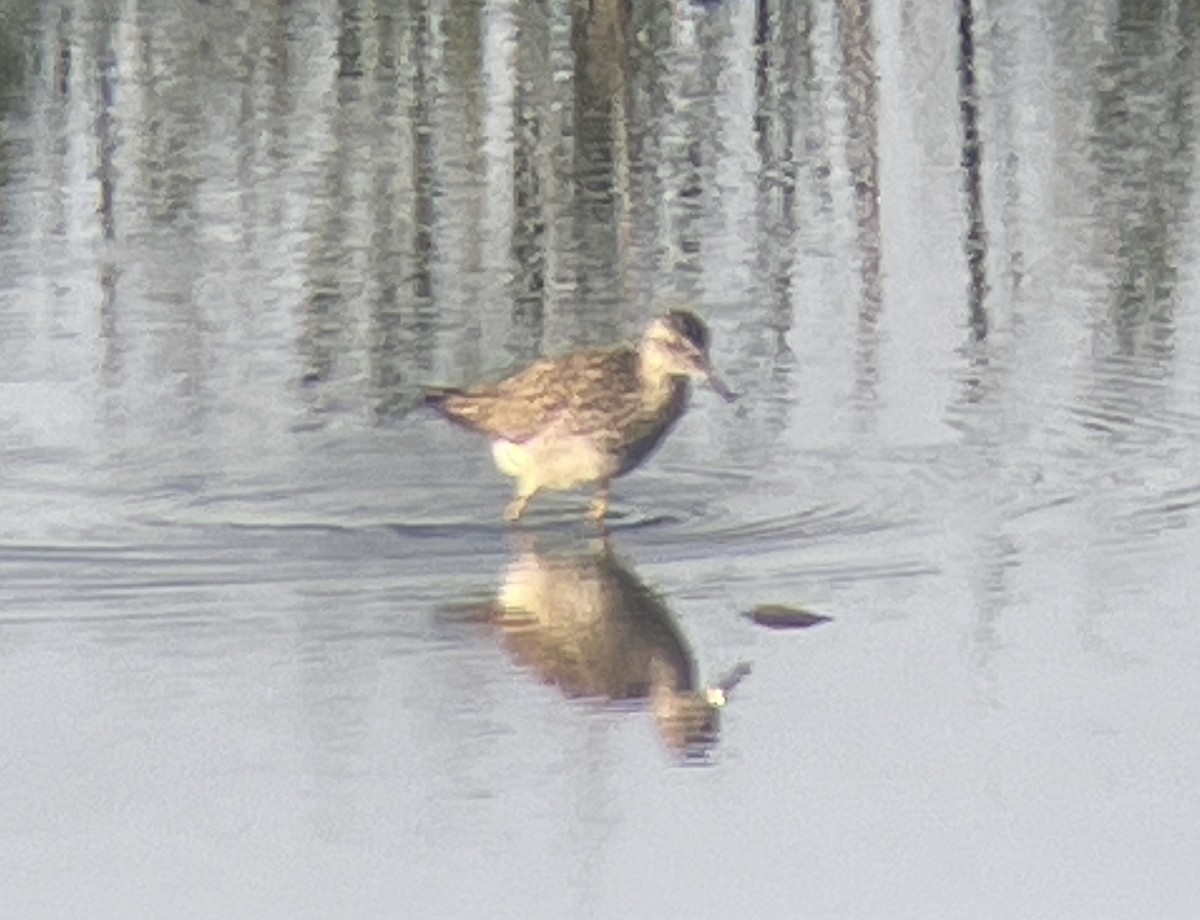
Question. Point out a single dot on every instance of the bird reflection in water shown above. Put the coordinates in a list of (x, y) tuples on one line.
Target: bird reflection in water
[(583, 622)]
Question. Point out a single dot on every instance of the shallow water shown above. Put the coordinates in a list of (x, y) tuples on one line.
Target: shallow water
[(252, 606)]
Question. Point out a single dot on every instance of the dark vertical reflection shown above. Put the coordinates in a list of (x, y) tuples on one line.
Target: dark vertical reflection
[(1143, 145), (12, 55), (991, 549), (171, 169), (106, 68), (783, 67), (325, 322), (273, 55), (642, 214), (600, 33), (531, 209), (972, 157), (423, 179), (402, 248), (106, 143), (385, 256), (1007, 90), (991, 552), (691, 150), (689, 214), (170, 164), (251, 126), (12, 75), (1145, 150), (862, 115), (63, 51), (12, 71), (464, 68), (322, 319), (350, 39)]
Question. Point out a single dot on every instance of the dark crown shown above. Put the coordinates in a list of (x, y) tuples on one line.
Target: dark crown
[(690, 326)]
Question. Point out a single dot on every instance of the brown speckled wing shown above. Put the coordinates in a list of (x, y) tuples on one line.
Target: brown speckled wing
[(589, 390)]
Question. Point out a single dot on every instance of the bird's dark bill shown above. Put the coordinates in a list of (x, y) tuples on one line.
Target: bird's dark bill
[(720, 387)]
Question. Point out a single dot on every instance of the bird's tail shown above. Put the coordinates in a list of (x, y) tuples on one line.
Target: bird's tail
[(435, 397), (447, 402)]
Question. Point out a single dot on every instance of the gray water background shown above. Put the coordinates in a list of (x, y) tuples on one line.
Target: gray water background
[(949, 256)]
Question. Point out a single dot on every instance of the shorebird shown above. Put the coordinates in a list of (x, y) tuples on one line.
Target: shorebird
[(589, 417)]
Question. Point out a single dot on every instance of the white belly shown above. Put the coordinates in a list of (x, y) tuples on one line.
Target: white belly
[(554, 462)]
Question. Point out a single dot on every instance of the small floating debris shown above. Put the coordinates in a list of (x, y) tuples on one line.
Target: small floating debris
[(779, 616)]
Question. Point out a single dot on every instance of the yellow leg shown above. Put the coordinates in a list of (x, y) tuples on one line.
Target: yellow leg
[(517, 506), (600, 505)]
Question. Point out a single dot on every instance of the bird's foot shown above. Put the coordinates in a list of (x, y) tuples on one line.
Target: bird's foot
[(599, 508), (516, 508)]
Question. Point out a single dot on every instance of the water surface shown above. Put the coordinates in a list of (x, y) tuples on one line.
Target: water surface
[(251, 659)]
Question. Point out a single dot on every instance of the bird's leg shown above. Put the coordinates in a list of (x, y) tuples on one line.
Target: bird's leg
[(517, 506), (600, 504)]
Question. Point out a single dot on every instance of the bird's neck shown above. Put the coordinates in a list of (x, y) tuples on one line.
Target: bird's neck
[(659, 383)]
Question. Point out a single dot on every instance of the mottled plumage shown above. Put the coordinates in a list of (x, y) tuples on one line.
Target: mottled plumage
[(588, 417)]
